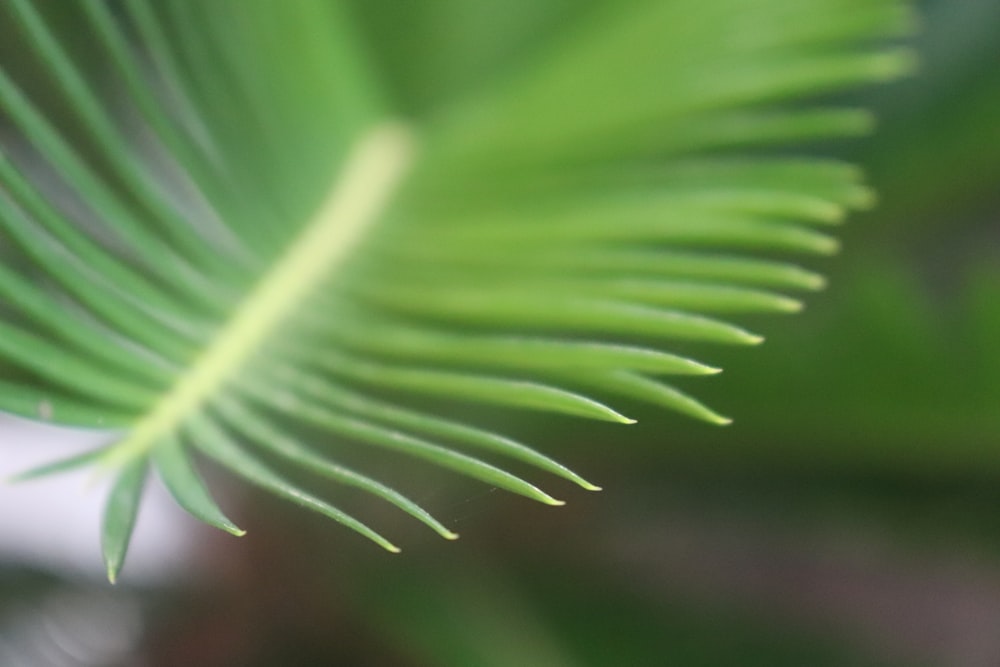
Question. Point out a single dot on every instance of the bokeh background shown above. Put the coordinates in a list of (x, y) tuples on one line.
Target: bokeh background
[(850, 516)]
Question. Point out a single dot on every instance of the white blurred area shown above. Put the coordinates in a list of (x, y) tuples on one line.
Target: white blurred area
[(54, 523)]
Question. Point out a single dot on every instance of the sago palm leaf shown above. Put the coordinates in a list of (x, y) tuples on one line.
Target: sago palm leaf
[(223, 220)]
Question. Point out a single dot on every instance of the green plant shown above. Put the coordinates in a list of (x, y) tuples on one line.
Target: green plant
[(229, 219)]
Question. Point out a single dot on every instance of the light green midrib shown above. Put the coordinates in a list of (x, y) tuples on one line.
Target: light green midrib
[(371, 174)]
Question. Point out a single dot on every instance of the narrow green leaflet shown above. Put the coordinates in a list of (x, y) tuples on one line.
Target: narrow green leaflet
[(215, 443), (322, 391), (267, 232), (474, 388), (185, 484), (256, 429), (120, 514), (382, 437), (67, 464)]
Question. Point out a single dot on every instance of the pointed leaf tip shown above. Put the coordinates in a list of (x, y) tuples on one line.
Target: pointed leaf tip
[(789, 305), (120, 513), (828, 246), (182, 480), (584, 484), (864, 199)]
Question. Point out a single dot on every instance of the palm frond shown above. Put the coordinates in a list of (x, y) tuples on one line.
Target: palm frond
[(223, 219)]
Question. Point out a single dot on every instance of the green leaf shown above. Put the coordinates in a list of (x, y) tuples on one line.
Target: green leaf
[(473, 388), (217, 444), (366, 432), (395, 338), (186, 486), (221, 220), (120, 513), (325, 392), (258, 430), (67, 464)]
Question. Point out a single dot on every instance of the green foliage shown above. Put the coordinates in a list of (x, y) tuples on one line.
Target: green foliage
[(225, 221), (543, 617)]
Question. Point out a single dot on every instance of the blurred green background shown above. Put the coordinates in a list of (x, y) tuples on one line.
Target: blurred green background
[(850, 515)]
